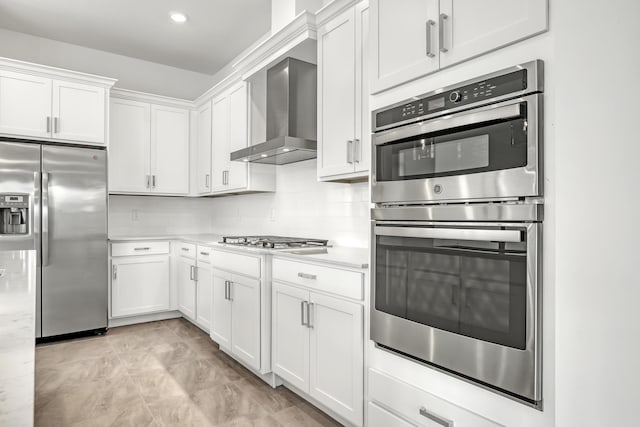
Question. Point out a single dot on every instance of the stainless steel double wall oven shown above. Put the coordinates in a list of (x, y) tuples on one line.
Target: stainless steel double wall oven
[(457, 180)]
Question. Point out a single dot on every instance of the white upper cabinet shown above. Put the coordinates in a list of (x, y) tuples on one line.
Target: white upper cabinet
[(219, 143), (169, 150), (51, 104), (471, 27), (413, 38), (25, 105), (78, 112), (238, 135), (148, 148), (203, 149), (343, 96), (129, 160), (399, 34)]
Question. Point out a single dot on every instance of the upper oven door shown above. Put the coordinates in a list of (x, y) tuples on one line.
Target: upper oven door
[(488, 153)]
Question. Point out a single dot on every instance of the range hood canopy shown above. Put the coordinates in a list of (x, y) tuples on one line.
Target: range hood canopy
[(291, 116)]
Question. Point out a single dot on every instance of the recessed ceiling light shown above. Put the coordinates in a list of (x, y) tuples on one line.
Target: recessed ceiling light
[(178, 17)]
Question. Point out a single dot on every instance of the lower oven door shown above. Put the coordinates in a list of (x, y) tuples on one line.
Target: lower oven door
[(462, 296)]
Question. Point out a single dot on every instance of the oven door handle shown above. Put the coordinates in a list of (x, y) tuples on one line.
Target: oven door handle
[(476, 116), (452, 233)]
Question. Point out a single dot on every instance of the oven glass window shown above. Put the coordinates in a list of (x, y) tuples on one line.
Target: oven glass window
[(488, 147), (472, 288)]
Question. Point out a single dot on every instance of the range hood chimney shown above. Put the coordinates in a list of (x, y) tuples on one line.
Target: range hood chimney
[(291, 116)]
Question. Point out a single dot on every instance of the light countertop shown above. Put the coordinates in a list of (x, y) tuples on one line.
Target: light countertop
[(341, 256), (17, 337)]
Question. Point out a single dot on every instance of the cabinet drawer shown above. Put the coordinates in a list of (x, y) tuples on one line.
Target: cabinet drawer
[(139, 248), (346, 283), (418, 406), (187, 250), (243, 264), (378, 417), (203, 254)]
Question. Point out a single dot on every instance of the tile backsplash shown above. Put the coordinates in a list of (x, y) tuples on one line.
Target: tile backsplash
[(301, 207)]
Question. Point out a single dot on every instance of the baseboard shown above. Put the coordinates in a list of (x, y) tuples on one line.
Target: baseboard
[(132, 320)]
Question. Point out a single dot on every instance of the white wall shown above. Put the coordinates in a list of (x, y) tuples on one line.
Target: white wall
[(132, 73), (597, 147), (159, 215), (301, 207)]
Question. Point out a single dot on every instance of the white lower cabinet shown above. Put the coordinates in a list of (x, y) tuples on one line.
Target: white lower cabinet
[(187, 287), (392, 399), (139, 278), (318, 347), (204, 296), (236, 316)]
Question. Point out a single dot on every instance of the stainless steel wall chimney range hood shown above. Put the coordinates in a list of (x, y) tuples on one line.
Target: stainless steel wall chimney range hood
[(291, 116)]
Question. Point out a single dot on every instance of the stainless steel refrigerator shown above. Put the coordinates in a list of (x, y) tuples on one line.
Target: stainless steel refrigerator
[(53, 199)]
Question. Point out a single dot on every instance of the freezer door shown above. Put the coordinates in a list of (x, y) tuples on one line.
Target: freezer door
[(20, 173), (74, 240)]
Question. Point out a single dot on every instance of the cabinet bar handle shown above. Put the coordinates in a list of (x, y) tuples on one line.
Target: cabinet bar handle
[(226, 287), (206, 181), (48, 124), (435, 418), (114, 273), (230, 289), (191, 272), (153, 181), (302, 316), (204, 253), (443, 18), (349, 151), (430, 24), (357, 150), (185, 249), (195, 273), (141, 249), (309, 308), (148, 180), (56, 124), (307, 276)]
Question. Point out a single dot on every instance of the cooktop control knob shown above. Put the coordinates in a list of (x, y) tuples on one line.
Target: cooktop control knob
[(455, 96)]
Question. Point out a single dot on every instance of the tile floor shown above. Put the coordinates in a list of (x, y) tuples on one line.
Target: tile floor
[(166, 373)]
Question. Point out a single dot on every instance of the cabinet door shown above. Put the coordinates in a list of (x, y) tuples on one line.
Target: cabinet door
[(203, 166), (238, 136), (290, 339), (219, 143), (474, 27), (337, 89), (169, 150), (78, 112), (221, 318), (25, 105), (399, 32), (204, 296), (245, 319), (129, 146), (362, 147), (186, 288), (336, 359), (139, 285)]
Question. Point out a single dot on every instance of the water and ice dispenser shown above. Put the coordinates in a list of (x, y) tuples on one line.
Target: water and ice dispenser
[(14, 214)]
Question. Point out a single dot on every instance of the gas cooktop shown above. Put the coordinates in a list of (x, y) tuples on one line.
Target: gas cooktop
[(274, 242)]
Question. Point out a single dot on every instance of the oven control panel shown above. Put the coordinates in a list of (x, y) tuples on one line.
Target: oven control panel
[(458, 96)]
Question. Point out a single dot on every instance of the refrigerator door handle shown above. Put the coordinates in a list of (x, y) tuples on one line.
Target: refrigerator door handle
[(45, 219), (35, 216)]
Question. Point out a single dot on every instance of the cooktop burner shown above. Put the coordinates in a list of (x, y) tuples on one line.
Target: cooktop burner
[(273, 242)]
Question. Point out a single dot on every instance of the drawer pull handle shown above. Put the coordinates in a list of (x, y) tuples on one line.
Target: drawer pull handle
[(204, 253), (141, 249), (185, 249), (435, 418), (307, 276)]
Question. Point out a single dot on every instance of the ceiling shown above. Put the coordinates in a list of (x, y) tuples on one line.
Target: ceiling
[(216, 31)]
